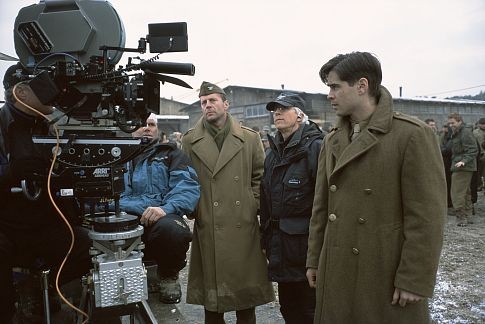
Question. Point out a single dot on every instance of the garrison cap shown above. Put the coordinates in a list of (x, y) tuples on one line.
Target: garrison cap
[(287, 99), (207, 88)]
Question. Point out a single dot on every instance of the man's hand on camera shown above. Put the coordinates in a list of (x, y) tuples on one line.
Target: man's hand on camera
[(151, 215)]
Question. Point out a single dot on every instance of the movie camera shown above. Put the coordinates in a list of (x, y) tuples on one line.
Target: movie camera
[(68, 50)]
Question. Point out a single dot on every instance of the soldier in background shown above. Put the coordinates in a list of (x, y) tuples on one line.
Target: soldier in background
[(479, 134), (445, 146), (432, 124), (464, 151)]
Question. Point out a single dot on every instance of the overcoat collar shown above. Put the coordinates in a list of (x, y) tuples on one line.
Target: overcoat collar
[(204, 146), (345, 151)]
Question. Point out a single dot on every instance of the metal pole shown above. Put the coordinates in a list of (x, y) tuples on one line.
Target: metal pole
[(45, 289)]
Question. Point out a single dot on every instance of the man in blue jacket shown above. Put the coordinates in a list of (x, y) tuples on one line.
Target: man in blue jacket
[(161, 187)]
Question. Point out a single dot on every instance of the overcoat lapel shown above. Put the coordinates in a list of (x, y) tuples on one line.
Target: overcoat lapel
[(204, 146), (232, 145), (206, 150), (359, 146), (338, 142)]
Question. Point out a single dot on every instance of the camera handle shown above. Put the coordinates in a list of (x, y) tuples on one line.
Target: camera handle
[(28, 194)]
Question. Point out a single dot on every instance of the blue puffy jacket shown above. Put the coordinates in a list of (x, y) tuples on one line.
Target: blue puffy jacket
[(160, 177)]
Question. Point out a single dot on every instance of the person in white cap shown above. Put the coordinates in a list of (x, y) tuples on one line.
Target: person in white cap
[(287, 191), (161, 187)]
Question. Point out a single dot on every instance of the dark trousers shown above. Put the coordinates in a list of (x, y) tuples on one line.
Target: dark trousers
[(49, 243), (167, 242), (244, 316), (297, 302)]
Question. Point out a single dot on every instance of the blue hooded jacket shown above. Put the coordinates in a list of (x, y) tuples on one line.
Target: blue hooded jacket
[(160, 177)]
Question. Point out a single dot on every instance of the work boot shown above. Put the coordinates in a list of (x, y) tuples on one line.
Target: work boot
[(170, 291), (461, 216)]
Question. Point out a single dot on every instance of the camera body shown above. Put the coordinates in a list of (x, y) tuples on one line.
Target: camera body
[(69, 50), (79, 43)]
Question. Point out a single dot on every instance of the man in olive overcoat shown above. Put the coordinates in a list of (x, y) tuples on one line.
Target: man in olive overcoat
[(227, 269), (380, 204)]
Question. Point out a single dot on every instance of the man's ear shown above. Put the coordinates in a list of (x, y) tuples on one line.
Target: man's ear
[(362, 85)]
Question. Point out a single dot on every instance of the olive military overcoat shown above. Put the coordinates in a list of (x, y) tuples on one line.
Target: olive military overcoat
[(377, 219), (227, 269)]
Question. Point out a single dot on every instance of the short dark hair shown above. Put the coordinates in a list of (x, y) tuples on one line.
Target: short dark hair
[(455, 116), (429, 120), (353, 66)]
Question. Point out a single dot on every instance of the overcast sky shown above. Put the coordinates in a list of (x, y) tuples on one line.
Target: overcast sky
[(429, 47)]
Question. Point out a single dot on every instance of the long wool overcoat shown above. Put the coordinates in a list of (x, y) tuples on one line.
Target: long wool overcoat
[(377, 220), (227, 267)]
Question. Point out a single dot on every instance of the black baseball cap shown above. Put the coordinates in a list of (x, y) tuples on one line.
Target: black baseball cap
[(41, 84), (286, 99), (14, 74)]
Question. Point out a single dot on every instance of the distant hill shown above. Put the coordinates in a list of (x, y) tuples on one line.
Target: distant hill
[(480, 96)]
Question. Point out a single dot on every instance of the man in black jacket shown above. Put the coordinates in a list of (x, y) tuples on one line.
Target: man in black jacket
[(287, 192), (30, 229)]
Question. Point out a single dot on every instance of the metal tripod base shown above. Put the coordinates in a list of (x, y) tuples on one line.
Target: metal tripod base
[(139, 312)]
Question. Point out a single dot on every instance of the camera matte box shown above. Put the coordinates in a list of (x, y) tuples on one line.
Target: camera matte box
[(159, 36)]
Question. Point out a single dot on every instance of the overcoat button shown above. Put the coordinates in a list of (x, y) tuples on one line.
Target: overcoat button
[(238, 202), (216, 204), (355, 251), (368, 191), (332, 217), (236, 178), (362, 220), (333, 188)]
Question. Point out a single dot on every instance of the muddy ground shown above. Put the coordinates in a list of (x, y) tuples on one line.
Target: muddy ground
[(459, 294), (460, 290)]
